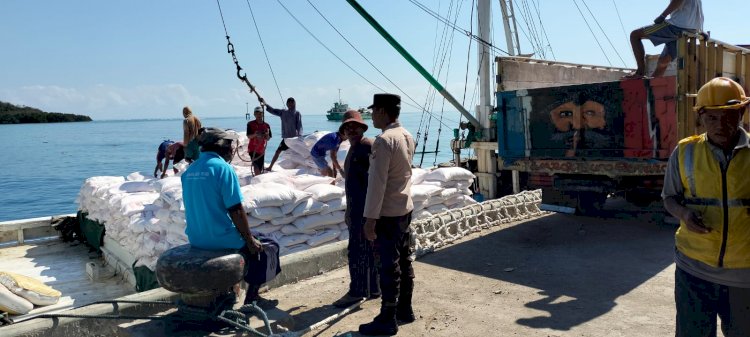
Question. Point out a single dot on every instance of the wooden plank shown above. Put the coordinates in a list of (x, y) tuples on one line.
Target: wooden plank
[(711, 71), (692, 85), (702, 61), (719, 61), (681, 87), (738, 65)]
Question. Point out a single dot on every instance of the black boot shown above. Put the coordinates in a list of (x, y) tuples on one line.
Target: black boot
[(383, 324), (404, 312)]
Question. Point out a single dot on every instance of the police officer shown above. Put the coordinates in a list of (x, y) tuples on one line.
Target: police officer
[(388, 208), (707, 189)]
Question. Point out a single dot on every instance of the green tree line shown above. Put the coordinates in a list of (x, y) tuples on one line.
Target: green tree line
[(14, 114)]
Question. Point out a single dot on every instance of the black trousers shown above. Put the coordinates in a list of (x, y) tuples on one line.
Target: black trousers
[(699, 302), (392, 256), (361, 254)]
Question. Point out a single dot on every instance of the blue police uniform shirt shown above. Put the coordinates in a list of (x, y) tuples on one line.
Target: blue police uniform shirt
[(328, 142), (209, 187)]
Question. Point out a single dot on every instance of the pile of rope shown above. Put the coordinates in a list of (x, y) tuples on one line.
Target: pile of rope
[(445, 228)]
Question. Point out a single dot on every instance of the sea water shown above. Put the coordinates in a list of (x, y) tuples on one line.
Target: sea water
[(44, 165)]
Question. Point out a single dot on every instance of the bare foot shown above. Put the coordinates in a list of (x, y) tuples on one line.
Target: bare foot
[(633, 76)]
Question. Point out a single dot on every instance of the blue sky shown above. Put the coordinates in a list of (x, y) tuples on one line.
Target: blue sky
[(147, 59)]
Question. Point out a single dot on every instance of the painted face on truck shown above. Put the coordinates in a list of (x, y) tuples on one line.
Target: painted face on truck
[(572, 119), (569, 115)]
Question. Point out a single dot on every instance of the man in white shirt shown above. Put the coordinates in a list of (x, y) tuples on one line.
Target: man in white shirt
[(684, 16)]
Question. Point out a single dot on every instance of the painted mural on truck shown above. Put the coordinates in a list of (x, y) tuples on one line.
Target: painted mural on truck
[(631, 119)]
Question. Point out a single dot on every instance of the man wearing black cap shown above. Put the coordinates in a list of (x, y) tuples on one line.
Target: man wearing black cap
[(215, 217), (388, 208), (362, 271)]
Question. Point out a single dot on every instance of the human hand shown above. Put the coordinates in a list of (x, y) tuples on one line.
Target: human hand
[(659, 19), (369, 229), (254, 246), (694, 222)]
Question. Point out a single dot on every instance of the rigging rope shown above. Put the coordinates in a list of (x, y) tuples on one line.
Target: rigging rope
[(544, 31), (592, 33), (464, 31), (605, 33), (329, 49), (268, 61), (417, 105), (230, 50), (621, 25)]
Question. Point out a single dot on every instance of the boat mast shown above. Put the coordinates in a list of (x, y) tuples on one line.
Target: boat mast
[(511, 33), (485, 108), (486, 146)]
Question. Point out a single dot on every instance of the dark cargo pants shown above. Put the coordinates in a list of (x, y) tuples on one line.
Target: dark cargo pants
[(393, 257), (699, 302)]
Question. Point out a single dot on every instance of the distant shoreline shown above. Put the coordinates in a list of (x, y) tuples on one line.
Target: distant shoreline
[(14, 114)]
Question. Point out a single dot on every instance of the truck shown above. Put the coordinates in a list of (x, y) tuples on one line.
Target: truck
[(580, 132)]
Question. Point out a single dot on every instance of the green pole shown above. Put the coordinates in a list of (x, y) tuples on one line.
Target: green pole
[(413, 62)]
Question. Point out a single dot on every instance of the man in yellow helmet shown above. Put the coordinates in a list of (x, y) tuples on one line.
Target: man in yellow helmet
[(707, 189)]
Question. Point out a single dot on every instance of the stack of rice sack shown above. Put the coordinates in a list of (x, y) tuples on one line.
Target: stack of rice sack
[(19, 294), (128, 210), (299, 211), (441, 189), (298, 155)]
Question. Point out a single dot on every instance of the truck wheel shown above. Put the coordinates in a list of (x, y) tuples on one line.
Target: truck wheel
[(590, 203), (640, 199)]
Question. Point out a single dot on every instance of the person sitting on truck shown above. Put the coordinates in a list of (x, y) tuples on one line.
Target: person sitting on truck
[(684, 16), (329, 142), (706, 188), (216, 219)]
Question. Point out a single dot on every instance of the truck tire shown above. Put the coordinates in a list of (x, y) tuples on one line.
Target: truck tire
[(641, 198), (590, 203)]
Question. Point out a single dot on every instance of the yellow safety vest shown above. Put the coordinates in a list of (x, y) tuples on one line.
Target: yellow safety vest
[(723, 200)]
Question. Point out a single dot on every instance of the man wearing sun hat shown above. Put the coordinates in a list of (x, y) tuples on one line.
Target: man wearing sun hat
[(362, 272), (388, 208), (214, 215), (707, 189)]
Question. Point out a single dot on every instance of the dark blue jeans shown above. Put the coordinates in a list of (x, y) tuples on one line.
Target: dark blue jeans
[(699, 302)]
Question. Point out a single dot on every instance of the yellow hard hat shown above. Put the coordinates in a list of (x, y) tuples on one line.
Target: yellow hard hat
[(721, 93)]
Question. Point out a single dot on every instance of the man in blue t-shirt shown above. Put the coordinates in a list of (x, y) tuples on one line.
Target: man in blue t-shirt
[(329, 142), (215, 217)]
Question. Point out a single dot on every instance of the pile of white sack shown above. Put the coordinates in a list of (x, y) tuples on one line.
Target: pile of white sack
[(298, 209), (298, 156)]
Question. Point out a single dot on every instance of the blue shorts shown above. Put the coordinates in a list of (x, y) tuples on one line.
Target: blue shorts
[(162, 151), (665, 33), (320, 162)]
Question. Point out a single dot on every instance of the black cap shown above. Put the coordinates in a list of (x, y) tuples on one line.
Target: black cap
[(212, 135), (385, 100)]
